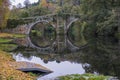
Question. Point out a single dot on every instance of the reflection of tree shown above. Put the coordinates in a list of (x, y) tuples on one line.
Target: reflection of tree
[(75, 34), (42, 34), (101, 56)]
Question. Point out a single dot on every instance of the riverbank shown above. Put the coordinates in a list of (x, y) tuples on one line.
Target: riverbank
[(16, 75), (7, 72), (8, 35), (6, 38)]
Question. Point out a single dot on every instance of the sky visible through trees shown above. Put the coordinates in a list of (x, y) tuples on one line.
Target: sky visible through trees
[(15, 2)]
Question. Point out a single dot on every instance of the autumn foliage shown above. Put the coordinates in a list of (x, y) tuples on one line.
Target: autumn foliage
[(4, 12), (43, 3), (7, 72)]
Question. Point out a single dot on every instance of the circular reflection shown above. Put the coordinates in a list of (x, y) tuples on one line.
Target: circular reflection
[(42, 34), (75, 34)]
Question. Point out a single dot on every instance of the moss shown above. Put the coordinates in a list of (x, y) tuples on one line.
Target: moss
[(4, 40), (8, 47), (9, 35), (18, 35), (84, 77), (33, 74)]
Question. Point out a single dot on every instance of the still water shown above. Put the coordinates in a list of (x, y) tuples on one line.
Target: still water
[(99, 56), (70, 53), (62, 68)]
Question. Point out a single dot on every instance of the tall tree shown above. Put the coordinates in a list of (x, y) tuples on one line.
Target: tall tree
[(26, 3), (98, 15), (61, 2), (4, 12), (43, 3), (19, 5)]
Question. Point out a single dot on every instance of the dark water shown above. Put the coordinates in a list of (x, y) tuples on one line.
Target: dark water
[(69, 54), (99, 56)]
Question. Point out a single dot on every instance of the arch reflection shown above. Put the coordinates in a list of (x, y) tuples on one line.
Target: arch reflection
[(42, 34), (75, 34), (101, 56)]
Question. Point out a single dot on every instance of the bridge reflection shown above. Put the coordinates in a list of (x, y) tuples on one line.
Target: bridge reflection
[(57, 46), (45, 38), (101, 55)]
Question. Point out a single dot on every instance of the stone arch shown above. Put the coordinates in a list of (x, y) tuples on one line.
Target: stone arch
[(36, 47), (69, 40), (68, 26), (33, 24), (31, 44)]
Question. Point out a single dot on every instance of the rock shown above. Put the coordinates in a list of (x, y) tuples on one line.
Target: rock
[(29, 67)]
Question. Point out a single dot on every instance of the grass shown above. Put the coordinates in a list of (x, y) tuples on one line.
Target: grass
[(5, 40), (84, 77), (4, 35), (7, 72), (33, 74), (8, 35), (8, 47), (18, 35)]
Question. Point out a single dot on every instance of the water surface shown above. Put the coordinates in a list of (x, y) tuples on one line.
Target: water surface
[(70, 53)]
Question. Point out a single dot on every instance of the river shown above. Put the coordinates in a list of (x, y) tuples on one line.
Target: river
[(69, 53)]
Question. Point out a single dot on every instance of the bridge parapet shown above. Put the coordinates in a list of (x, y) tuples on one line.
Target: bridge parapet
[(53, 19)]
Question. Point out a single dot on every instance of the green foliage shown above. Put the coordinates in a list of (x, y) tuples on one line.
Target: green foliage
[(19, 35), (37, 11), (47, 8), (32, 74), (99, 15), (117, 35), (12, 23), (68, 7), (8, 47), (84, 77), (4, 40), (10, 78), (28, 12)]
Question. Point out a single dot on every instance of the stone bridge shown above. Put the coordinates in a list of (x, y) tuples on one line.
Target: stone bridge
[(57, 21)]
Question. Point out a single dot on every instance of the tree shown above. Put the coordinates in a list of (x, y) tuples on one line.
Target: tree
[(99, 15), (68, 6), (43, 3), (19, 5), (76, 2), (61, 2), (4, 12), (26, 3)]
